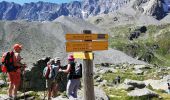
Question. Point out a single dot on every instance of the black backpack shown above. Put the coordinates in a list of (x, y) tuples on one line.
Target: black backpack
[(8, 61), (75, 73), (78, 71)]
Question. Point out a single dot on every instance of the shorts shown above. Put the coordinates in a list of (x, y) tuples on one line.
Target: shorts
[(14, 78), (50, 83)]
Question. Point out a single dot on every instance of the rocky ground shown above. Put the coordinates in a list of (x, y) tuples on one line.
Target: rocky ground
[(136, 81), (139, 80)]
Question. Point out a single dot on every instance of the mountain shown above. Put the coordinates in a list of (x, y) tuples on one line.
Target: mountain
[(41, 11), (44, 39)]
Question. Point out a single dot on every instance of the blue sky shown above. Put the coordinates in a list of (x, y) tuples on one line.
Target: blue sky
[(27, 1)]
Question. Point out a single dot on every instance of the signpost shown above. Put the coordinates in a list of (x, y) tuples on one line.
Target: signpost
[(82, 55), (84, 44), (86, 36)]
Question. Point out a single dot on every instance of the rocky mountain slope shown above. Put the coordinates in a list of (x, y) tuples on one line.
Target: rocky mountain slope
[(41, 11), (42, 39)]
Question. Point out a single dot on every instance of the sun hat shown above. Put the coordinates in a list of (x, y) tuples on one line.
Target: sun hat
[(71, 57)]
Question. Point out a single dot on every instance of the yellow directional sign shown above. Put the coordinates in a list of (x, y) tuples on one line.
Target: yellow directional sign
[(82, 55), (86, 46), (86, 36)]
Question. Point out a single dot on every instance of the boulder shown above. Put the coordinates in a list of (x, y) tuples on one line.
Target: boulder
[(142, 92), (107, 70), (138, 72), (134, 83), (2, 83), (34, 80), (137, 67), (126, 87)]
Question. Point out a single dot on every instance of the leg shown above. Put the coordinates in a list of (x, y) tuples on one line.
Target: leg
[(54, 88), (16, 87), (70, 88), (49, 85), (11, 86), (49, 94), (77, 84), (17, 80)]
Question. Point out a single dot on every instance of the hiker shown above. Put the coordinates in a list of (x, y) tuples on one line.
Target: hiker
[(168, 88), (73, 82), (118, 79), (57, 62), (51, 80), (14, 76)]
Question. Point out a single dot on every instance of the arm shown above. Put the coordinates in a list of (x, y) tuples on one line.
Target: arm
[(17, 60), (68, 69)]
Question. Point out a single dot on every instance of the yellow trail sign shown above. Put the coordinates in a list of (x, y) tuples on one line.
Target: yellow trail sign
[(86, 36), (82, 55), (86, 46)]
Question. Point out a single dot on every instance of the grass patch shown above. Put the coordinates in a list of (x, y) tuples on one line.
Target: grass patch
[(144, 47)]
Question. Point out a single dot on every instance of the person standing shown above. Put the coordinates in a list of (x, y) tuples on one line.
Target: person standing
[(57, 64), (14, 76), (73, 82), (51, 82)]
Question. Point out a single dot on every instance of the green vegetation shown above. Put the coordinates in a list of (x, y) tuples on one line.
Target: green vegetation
[(152, 46), (119, 94)]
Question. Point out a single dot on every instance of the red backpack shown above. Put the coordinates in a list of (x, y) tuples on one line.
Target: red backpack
[(7, 62)]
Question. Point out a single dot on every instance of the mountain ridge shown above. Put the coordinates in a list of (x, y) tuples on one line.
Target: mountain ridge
[(41, 11)]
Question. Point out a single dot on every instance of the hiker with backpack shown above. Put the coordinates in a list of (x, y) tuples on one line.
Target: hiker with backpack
[(50, 73), (12, 66), (57, 62), (73, 81)]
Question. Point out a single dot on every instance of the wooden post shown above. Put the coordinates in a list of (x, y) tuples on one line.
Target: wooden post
[(88, 90)]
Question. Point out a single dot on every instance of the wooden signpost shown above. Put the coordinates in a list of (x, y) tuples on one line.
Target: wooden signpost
[(86, 46), (82, 45), (82, 55)]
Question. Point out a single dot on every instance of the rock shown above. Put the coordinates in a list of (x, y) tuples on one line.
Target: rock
[(103, 83), (138, 72), (2, 83), (126, 87), (27, 94), (142, 92), (34, 79), (156, 84), (167, 78), (142, 67), (150, 7), (3, 96), (136, 84), (99, 79), (99, 95), (107, 70)]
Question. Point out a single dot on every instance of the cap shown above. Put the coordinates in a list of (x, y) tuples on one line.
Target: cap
[(71, 57), (57, 59), (16, 46)]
